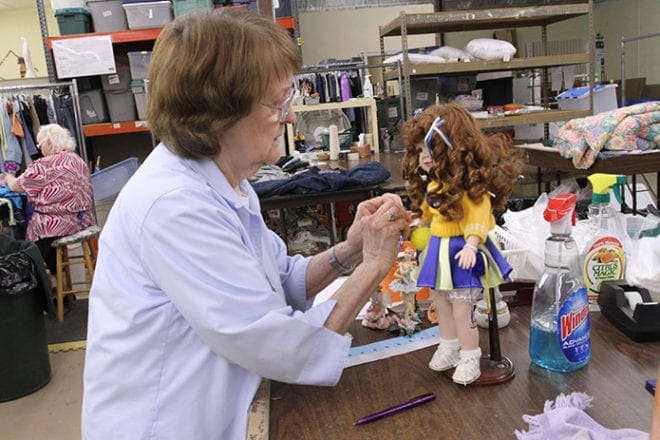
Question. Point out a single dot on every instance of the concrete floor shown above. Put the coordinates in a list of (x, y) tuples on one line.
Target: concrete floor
[(53, 412)]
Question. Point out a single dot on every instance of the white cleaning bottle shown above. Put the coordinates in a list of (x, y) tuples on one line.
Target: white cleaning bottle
[(367, 88), (559, 337), (604, 256)]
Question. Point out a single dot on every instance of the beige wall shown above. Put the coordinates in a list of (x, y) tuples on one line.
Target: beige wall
[(23, 23), (347, 33)]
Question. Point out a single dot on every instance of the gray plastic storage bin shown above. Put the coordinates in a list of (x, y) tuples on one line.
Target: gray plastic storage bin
[(140, 96), (121, 105), (148, 15), (139, 62), (92, 107), (117, 81), (107, 15)]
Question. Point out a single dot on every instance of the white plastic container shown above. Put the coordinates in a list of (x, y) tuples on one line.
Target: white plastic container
[(140, 96), (578, 98), (68, 4), (139, 63), (148, 14)]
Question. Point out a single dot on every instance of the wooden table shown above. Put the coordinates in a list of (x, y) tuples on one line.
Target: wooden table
[(614, 377), (629, 165)]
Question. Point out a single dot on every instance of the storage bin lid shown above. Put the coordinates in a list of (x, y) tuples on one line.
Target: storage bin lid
[(583, 92), (71, 11), (143, 3)]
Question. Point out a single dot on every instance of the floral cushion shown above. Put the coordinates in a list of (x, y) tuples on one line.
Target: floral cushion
[(78, 237)]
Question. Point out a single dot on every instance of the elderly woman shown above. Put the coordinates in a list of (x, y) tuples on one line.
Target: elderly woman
[(59, 188), (194, 299)]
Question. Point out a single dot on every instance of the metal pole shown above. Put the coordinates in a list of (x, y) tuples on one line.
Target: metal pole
[(43, 26)]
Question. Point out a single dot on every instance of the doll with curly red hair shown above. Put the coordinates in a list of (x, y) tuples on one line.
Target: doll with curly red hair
[(457, 176)]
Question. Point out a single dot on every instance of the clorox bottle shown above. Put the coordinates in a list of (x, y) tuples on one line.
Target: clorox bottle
[(604, 256), (559, 337)]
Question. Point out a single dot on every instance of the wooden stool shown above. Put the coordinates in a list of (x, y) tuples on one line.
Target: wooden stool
[(87, 239)]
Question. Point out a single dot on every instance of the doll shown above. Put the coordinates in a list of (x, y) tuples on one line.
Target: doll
[(457, 176)]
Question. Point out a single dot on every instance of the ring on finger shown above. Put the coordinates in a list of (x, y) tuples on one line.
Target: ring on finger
[(390, 216)]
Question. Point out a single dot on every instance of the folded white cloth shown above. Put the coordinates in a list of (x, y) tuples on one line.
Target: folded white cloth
[(564, 419)]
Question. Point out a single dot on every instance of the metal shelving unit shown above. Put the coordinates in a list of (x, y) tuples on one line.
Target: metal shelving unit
[(469, 20)]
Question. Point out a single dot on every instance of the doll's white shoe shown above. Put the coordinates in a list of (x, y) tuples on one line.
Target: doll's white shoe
[(446, 356), (467, 370)]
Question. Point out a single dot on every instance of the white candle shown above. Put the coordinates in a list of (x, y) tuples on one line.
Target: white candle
[(334, 142)]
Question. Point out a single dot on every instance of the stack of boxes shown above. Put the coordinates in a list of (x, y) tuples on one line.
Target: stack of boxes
[(118, 96), (122, 96)]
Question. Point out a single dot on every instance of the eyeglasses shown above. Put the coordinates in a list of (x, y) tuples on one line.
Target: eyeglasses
[(283, 109)]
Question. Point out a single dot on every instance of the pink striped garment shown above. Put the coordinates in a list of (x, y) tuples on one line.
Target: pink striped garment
[(59, 187)]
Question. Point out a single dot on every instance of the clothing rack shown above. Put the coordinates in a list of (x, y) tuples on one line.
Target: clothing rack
[(50, 86)]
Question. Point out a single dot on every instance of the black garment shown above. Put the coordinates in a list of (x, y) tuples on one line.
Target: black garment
[(9, 246), (48, 252)]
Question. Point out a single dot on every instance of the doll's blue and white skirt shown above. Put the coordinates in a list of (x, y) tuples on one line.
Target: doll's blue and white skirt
[(439, 269)]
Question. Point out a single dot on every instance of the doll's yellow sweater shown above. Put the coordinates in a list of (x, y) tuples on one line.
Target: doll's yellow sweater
[(477, 218)]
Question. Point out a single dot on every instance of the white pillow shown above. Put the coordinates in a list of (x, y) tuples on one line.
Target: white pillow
[(452, 54), (490, 49)]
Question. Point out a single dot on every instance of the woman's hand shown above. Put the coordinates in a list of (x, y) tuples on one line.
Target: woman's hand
[(370, 207), (381, 231), (12, 184)]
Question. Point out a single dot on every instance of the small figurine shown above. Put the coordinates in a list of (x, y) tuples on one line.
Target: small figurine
[(376, 316), (457, 175), (403, 282)]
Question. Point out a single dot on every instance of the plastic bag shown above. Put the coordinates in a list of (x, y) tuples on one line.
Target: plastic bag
[(16, 274)]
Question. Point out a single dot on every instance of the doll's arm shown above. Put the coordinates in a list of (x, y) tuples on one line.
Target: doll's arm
[(467, 257)]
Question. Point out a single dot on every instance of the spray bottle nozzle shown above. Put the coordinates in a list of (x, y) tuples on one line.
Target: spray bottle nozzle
[(601, 184), (560, 206)]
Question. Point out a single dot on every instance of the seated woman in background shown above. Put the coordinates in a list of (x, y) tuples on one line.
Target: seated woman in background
[(59, 188)]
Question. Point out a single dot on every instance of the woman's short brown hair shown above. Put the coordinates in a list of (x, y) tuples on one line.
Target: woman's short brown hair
[(208, 70)]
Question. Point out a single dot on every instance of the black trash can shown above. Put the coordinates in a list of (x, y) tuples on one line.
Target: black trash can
[(24, 297)]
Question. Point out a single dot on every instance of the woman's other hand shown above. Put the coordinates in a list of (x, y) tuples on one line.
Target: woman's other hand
[(381, 231), (368, 208)]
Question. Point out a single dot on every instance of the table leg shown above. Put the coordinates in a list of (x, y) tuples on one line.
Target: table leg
[(333, 224)]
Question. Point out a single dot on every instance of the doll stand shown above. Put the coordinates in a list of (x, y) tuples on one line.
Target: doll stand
[(495, 368)]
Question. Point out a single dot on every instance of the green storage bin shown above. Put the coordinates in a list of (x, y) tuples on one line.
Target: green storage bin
[(73, 21), (185, 6)]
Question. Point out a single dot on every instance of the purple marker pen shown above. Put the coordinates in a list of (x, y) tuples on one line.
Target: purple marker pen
[(396, 408)]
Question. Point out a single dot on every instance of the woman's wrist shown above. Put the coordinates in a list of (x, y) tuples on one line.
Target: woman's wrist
[(342, 258)]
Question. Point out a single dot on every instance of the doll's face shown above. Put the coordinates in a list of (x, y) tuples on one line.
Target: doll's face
[(423, 157)]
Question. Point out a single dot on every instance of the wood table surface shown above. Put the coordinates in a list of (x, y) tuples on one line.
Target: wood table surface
[(614, 377)]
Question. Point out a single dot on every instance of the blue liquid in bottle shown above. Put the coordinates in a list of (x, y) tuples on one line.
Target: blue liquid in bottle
[(559, 334)]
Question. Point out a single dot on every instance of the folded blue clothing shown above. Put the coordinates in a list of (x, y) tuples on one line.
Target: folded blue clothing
[(314, 180), (16, 198)]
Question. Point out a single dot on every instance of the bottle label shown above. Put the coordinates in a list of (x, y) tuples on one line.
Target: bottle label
[(573, 321), (603, 261)]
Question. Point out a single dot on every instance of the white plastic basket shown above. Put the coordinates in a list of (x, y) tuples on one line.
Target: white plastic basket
[(514, 252)]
